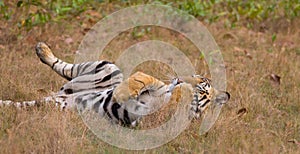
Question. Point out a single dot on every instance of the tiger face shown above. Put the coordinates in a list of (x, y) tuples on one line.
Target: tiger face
[(204, 95)]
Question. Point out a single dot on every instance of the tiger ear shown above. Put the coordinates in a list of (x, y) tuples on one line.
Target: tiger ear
[(222, 97)]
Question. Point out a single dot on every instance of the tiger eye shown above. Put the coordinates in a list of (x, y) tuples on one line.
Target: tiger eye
[(201, 92)]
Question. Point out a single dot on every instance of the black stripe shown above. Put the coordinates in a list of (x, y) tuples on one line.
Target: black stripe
[(196, 98), (88, 64), (84, 81), (144, 92), (26, 104), (57, 60), (161, 86), (96, 95), (63, 70), (84, 103), (68, 78), (108, 77), (98, 68), (68, 91), (80, 97), (78, 68), (93, 88), (126, 119), (207, 101), (92, 72), (199, 87), (72, 71), (106, 103), (107, 86), (62, 96), (102, 64), (63, 73), (97, 104), (78, 100), (43, 61), (204, 97), (114, 110)]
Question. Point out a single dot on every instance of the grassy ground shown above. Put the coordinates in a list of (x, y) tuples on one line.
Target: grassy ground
[(262, 115)]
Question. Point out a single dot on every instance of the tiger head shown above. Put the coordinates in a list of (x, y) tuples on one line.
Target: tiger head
[(204, 94)]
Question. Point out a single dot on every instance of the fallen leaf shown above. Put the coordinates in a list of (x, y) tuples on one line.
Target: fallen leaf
[(275, 78), (238, 49), (42, 91), (69, 40), (94, 13), (85, 30), (92, 21), (229, 35), (294, 141), (241, 111), (243, 50), (247, 54)]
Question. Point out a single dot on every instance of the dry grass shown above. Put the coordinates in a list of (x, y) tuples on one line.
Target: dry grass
[(271, 118)]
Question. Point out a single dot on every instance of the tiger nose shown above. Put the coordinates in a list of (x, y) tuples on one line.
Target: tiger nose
[(179, 81)]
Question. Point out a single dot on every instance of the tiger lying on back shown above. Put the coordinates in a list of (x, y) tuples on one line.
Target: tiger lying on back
[(99, 87)]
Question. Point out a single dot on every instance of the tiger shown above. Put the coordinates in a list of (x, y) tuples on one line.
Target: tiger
[(98, 87)]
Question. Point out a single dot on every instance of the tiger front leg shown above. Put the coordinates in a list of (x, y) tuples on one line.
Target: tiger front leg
[(134, 86)]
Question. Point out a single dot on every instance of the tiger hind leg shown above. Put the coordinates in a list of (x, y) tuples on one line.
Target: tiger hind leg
[(95, 69), (45, 54)]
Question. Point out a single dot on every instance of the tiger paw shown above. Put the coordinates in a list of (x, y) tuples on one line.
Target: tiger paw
[(134, 86), (45, 54), (128, 89)]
